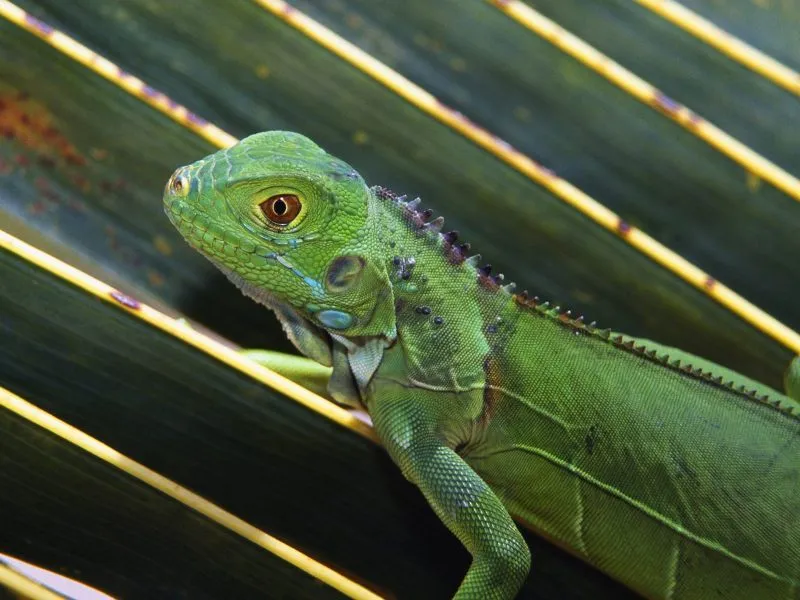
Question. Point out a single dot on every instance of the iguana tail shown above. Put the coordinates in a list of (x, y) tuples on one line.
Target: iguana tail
[(791, 380)]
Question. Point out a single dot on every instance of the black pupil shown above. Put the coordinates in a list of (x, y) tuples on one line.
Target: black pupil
[(178, 185), (280, 207)]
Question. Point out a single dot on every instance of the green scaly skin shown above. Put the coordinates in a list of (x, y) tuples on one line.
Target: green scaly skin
[(681, 482)]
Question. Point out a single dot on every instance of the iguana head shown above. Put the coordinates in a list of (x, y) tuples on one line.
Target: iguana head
[(291, 225)]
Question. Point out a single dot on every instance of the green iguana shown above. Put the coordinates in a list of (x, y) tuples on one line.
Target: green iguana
[(676, 476)]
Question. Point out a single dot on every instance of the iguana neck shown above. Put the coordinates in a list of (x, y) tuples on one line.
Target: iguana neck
[(446, 309)]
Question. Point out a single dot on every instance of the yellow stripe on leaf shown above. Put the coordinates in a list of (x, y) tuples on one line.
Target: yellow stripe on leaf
[(648, 94), (179, 329), (56, 426), (727, 44)]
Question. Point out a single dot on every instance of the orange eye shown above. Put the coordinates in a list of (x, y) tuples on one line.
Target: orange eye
[(281, 209)]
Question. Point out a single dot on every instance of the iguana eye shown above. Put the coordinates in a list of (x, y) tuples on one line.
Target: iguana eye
[(281, 209), (179, 184)]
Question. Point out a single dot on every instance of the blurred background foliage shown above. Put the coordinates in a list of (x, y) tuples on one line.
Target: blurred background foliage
[(82, 166)]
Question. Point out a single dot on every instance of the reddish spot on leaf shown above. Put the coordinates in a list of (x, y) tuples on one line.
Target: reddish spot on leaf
[(37, 208), (666, 104), (709, 283), (51, 196), (695, 120), (47, 162), (82, 183), (40, 26), (623, 228), (126, 300), (193, 118), (75, 160)]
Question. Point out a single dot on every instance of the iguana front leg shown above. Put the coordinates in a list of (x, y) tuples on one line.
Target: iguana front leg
[(306, 372), (460, 498)]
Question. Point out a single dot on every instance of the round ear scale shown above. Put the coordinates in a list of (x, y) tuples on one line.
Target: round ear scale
[(343, 272), (281, 209)]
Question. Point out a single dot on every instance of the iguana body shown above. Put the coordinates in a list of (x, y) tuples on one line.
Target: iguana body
[(670, 479)]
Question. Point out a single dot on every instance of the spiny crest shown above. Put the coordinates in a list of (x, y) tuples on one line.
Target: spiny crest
[(698, 373), (577, 324), (489, 281), (457, 253)]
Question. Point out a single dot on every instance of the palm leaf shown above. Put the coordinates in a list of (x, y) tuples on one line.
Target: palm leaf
[(83, 166)]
